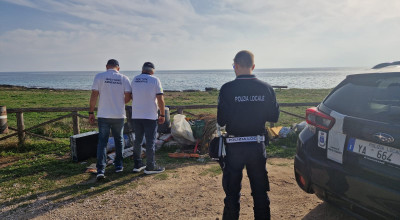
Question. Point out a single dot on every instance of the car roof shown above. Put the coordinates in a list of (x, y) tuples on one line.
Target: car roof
[(383, 68)]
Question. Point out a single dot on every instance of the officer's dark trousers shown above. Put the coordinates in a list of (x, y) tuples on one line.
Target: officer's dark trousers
[(253, 156)]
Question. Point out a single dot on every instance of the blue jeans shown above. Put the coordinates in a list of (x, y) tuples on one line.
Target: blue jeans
[(148, 128), (117, 128)]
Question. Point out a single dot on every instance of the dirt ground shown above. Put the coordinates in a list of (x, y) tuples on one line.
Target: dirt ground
[(184, 194)]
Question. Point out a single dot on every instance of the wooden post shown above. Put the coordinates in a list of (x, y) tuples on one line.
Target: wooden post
[(75, 122), (3, 120), (21, 128)]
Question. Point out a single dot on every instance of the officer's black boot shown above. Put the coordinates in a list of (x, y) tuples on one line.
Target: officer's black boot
[(261, 207), (231, 209), (262, 214)]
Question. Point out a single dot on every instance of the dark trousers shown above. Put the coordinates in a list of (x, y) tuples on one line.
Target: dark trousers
[(253, 156), (148, 129)]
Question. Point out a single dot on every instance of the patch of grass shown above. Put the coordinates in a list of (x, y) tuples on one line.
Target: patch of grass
[(214, 170), (301, 95), (284, 148), (104, 201), (161, 176), (133, 185), (279, 164)]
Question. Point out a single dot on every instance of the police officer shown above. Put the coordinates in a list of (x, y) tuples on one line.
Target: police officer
[(244, 106)]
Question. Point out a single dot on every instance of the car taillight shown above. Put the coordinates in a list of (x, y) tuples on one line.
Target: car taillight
[(302, 180), (319, 119)]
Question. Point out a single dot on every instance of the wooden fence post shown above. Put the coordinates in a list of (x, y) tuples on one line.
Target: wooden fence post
[(75, 122), (21, 128), (3, 120)]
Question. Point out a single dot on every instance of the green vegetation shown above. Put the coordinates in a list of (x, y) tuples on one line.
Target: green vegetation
[(161, 176), (214, 170), (44, 168), (285, 147)]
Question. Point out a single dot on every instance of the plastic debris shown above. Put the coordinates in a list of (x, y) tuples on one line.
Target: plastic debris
[(273, 132), (183, 155), (181, 130), (299, 126), (165, 137), (159, 144), (111, 142), (91, 168), (284, 132)]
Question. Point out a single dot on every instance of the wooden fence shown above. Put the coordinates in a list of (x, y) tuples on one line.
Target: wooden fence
[(21, 131)]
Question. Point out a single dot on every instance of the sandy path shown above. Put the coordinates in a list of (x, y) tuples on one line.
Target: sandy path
[(187, 194)]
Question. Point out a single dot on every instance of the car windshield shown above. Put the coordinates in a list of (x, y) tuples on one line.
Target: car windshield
[(374, 97)]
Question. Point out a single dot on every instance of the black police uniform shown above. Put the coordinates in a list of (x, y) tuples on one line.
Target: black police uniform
[(244, 106)]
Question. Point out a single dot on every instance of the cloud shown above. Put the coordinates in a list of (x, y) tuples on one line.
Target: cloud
[(183, 34)]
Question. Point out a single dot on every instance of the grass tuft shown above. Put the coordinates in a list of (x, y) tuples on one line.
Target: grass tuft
[(161, 176), (214, 170)]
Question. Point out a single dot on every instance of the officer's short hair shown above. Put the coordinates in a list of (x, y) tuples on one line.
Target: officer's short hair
[(244, 58)]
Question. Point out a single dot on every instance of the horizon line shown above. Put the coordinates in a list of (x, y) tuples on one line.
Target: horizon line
[(271, 68)]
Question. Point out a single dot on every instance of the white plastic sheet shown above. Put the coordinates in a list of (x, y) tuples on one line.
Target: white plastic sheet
[(181, 130)]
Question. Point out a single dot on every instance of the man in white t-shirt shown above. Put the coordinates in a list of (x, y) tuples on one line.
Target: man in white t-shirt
[(113, 90), (147, 95)]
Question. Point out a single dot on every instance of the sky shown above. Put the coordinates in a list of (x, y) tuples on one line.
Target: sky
[(81, 35)]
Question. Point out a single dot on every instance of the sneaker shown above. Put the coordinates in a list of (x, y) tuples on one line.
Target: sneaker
[(119, 169), (155, 170), (100, 176), (138, 167)]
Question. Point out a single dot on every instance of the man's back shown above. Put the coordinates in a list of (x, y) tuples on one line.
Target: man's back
[(245, 105), (145, 88), (111, 86)]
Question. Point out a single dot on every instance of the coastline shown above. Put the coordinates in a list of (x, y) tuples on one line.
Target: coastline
[(183, 80), (56, 89), (37, 88)]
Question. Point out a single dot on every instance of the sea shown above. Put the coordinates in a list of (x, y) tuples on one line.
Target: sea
[(181, 80)]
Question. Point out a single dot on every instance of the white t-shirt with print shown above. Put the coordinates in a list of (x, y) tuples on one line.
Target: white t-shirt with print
[(145, 88), (111, 86)]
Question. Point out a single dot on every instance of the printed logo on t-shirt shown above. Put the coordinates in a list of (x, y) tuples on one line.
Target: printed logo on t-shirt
[(113, 81), (245, 98), (141, 80)]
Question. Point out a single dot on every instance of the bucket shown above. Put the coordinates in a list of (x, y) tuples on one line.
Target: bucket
[(3, 120), (198, 128)]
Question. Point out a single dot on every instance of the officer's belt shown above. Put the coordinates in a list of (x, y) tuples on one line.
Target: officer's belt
[(257, 138)]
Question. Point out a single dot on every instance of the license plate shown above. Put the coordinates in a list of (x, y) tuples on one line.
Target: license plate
[(379, 153)]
